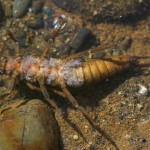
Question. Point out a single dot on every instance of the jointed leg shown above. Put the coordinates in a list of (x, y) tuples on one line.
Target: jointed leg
[(11, 84), (52, 39), (88, 53), (48, 47), (33, 87), (57, 92), (47, 97), (73, 101)]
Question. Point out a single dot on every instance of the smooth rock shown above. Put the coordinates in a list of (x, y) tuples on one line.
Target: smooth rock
[(36, 23), (37, 6), (31, 125), (20, 7)]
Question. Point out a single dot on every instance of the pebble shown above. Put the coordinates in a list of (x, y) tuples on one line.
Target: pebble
[(36, 22), (21, 7), (86, 128), (80, 38), (140, 106), (37, 6), (142, 140), (143, 90), (75, 137), (94, 116)]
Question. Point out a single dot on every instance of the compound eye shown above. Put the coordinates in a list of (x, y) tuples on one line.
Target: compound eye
[(56, 23), (59, 22)]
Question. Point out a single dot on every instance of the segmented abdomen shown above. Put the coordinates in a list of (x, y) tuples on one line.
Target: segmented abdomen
[(96, 70)]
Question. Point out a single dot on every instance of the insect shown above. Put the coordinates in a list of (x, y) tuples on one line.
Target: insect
[(70, 71)]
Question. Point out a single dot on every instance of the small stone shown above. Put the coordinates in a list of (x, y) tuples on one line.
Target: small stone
[(30, 10), (86, 128), (21, 7), (36, 22), (37, 6), (143, 90), (94, 116), (75, 137), (139, 106), (143, 140)]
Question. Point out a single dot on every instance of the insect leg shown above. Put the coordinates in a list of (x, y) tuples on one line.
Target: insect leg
[(88, 53), (33, 87), (47, 97), (48, 47), (73, 101), (83, 110), (52, 39), (57, 92)]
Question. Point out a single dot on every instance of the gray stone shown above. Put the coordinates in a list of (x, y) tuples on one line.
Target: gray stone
[(21, 7), (37, 6)]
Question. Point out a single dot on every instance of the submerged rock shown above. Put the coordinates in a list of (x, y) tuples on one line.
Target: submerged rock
[(36, 22), (37, 6), (21, 7), (28, 127)]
